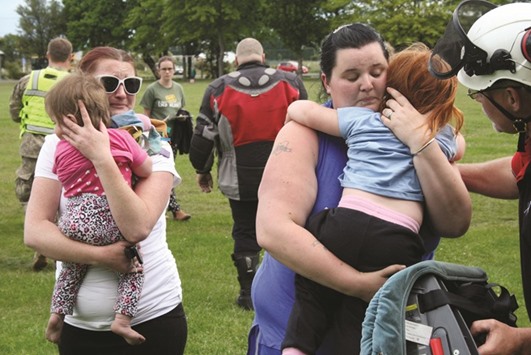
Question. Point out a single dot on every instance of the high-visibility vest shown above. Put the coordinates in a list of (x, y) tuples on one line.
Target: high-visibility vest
[(33, 116)]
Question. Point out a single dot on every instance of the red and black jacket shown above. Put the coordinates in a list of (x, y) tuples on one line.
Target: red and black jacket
[(240, 116)]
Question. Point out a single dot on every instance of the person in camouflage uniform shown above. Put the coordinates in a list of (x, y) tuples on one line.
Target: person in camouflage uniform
[(26, 106)]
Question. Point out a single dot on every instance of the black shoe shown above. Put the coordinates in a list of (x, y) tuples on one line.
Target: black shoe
[(39, 262), (245, 302)]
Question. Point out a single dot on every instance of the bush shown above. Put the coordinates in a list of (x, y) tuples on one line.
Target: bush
[(12, 70)]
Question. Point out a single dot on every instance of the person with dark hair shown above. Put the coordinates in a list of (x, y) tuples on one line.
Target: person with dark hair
[(239, 118), (26, 106), (353, 73), (378, 218), (493, 60), (162, 100), (139, 214)]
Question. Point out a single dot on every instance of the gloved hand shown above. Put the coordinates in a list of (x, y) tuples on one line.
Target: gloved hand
[(205, 182)]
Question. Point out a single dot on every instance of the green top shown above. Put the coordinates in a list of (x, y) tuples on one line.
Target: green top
[(161, 101)]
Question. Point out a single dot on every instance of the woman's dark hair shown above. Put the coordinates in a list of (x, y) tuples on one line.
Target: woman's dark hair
[(355, 35)]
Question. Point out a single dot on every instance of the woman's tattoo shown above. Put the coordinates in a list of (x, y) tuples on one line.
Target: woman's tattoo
[(281, 147), (317, 243)]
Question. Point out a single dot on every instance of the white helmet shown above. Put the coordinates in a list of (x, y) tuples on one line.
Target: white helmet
[(504, 34)]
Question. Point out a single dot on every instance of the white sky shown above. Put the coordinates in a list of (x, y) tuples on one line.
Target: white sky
[(9, 16)]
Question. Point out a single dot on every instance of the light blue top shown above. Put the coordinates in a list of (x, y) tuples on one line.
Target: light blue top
[(378, 162)]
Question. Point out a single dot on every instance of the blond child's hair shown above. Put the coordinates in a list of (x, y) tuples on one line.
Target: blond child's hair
[(62, 99)]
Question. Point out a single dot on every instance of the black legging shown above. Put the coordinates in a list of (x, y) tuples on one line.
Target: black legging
[(165, 335), (366, 243)]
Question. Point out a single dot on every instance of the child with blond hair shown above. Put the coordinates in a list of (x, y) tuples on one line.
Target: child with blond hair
[(87, 216)]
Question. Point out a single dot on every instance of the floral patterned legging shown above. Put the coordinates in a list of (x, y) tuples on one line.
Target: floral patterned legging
[(173, 205), (88, 219)]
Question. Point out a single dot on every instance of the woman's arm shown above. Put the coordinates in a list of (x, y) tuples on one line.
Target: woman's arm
[(286, 196), (447, 199), (315, 116), (42, 234)]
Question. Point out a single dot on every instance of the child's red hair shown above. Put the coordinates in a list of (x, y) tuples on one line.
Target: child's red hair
[(408, 73)]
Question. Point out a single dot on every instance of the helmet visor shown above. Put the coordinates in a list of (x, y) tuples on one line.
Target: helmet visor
[(454, 50)]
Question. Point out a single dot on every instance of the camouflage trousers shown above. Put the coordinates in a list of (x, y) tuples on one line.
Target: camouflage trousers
[(30, 147)]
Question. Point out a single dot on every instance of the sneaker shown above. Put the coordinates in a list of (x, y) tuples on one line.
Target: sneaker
[(180, 215), (39, 262)]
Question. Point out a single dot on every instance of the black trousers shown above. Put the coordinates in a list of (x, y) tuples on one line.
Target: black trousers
[(366, 243), (165, 335), (244, 226)]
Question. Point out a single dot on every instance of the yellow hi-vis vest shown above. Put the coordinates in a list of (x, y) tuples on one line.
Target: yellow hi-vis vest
[(33, 116)]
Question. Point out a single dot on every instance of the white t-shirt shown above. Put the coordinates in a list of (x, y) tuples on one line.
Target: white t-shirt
[(161, 291)]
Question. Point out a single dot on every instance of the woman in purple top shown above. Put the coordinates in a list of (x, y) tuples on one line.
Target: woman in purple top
[(353, 74)]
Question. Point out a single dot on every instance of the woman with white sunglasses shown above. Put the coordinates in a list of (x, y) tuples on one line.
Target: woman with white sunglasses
[(139, 212)]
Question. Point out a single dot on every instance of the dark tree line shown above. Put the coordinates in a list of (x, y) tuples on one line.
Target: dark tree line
[(152, 28)]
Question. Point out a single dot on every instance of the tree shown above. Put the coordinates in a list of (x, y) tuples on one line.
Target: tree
[(403, 22), (93, 23), (145, 20), (176, 26), (39, 23), (214, 26), (299, 23), (10, 45)]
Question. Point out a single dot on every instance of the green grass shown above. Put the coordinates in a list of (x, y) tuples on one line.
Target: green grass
[(202, 246)]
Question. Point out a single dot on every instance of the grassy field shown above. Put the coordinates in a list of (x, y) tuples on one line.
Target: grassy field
[(203, 245)]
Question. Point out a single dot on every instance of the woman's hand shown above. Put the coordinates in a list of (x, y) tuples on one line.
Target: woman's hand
[(114, 257), (448, 202), (92, 143), (405, 121), (372, 281)]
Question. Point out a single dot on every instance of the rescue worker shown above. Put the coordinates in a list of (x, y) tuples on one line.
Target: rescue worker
[(26, 106)]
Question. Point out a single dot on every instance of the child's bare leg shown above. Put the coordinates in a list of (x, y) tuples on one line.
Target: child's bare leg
[(122, 326), (54, 327)]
